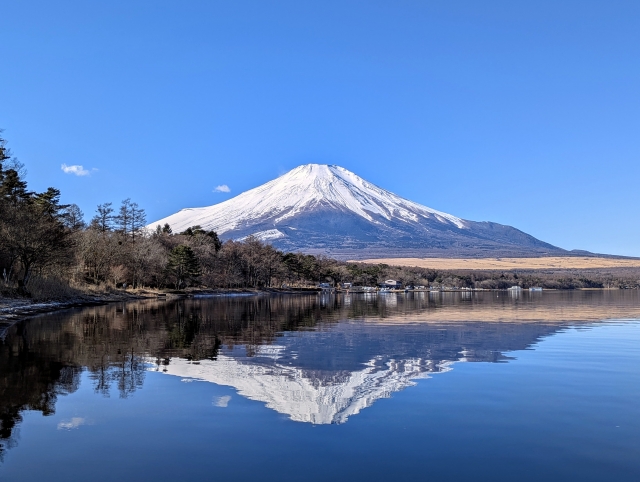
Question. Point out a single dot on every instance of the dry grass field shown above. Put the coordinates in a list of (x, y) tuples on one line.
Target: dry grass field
[(508, 263)]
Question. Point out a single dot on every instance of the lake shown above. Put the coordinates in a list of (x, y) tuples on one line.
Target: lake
[(418, 386)]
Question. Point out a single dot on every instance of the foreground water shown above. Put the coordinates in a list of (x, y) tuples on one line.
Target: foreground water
[(441, 386)]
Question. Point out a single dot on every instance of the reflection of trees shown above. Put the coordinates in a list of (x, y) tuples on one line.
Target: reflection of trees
[(113, 351), (128, 375), (29, 382), (44, 357), (39, 385)]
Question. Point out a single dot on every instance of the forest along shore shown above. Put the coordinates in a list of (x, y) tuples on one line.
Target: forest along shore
[(48, 252)]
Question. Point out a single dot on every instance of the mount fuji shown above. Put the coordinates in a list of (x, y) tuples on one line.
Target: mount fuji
[(325, 209)]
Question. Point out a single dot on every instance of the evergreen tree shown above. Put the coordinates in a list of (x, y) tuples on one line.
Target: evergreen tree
[(73, 217), (210, 236), (5, 153), (183, 265), (48, 202), (32, 233), (12, 188)]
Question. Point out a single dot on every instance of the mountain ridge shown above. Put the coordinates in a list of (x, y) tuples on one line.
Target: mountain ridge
[(326, 209)]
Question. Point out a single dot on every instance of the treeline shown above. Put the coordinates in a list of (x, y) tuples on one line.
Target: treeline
[(45, 244), (363, 274), (48, 250), (35, 229)]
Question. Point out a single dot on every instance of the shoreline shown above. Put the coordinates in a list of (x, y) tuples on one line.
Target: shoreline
[(15, 310)]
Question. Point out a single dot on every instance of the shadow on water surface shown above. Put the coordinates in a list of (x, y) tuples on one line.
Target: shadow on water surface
[(318, 359)]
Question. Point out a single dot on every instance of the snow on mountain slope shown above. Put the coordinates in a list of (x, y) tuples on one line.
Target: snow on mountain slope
[(306, 188), (328, 209)]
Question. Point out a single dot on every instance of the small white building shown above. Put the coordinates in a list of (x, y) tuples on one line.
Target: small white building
[(391, 284)]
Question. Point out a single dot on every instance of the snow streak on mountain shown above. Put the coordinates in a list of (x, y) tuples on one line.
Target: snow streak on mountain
[(320, 208)]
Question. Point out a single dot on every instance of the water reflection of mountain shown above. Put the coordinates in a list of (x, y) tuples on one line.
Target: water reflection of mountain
[(328, 375), (315, 358)]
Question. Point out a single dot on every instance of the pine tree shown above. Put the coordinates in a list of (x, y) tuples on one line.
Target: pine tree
[(210, 236), (73, 217), (48, 202), (183, 265), (12, 188)]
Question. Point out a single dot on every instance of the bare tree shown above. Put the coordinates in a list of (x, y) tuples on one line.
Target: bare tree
[(138, 220), (103, 220), (130, 219), (123, 218), (99, 252)]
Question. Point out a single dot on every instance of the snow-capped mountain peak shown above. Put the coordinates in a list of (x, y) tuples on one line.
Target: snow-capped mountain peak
[(305, 188), (324, 208)]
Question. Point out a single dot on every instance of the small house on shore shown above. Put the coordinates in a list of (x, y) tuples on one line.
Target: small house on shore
[(391, 284)]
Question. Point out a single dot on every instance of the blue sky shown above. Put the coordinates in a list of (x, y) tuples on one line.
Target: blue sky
[(523, 113)]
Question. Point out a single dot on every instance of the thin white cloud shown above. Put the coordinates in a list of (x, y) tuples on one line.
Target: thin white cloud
[(75, 422), (75, 169), (222, 402), (222, 188)]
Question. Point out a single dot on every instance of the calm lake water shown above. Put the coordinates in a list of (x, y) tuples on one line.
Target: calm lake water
[(394, 387)]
